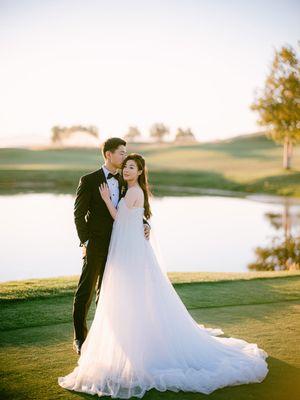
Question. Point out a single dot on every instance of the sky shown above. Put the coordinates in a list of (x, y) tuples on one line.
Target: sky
[(190, 64)]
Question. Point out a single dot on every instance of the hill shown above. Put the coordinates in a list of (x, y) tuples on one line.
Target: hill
[(247, 163)]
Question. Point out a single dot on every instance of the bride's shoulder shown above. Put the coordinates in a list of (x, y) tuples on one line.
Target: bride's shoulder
[(134, 195), (135, 190)]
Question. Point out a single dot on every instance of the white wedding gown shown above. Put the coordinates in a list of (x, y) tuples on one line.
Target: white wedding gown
[(142, 335)]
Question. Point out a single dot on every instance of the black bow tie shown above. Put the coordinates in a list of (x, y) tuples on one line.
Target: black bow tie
[(116, 176)]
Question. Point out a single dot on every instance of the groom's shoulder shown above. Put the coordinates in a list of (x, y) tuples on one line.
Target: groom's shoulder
[(90, 176)]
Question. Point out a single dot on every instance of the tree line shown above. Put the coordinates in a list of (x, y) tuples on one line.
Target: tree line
[(158, 132)]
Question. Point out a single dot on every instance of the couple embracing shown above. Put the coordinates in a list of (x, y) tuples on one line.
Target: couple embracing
[(142, 336)]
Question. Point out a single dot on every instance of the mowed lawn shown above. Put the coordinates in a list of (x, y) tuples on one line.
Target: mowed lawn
[(262, 308), (249, 163)]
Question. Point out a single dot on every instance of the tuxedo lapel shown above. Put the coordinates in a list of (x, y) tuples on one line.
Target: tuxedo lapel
[(101, 176)]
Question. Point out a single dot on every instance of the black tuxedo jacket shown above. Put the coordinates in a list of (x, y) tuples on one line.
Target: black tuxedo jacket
[(92, 218)]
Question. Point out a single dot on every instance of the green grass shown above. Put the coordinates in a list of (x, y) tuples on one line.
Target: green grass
[(264, 308), (243, 164), (12, 291)]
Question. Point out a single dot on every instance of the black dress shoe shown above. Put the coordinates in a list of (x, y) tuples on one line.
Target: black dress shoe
[(77, 345)]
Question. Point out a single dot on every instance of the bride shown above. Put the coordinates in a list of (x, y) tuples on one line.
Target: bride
[(142, 335)]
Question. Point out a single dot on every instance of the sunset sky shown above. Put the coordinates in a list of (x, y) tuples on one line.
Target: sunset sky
[(118, 63)]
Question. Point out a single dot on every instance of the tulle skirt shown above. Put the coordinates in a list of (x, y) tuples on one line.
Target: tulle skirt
[(143, 337)]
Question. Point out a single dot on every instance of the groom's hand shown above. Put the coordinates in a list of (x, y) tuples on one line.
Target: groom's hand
[(147, 231)]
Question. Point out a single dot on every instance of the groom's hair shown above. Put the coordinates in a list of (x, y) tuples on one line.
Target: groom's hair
[(111, 144)]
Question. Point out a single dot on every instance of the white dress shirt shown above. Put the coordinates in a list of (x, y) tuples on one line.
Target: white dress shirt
[(113, 185)]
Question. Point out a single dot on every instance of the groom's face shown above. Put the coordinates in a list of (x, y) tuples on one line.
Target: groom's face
[(118, 156)]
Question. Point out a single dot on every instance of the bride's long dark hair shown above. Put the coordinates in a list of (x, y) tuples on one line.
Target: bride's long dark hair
[(142, 179)]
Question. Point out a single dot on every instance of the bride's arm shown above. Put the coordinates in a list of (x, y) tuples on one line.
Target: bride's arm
[(104, 191), (130, 198)]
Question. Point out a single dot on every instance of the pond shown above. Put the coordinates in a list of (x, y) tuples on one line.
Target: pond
[(195, 233)]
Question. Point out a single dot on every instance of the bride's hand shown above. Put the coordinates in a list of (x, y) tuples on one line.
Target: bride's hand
[(104, 191)]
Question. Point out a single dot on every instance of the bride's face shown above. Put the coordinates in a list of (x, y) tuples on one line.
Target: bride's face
[(131, 171)]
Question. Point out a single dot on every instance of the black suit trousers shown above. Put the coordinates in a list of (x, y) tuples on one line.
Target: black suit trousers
[(90, 279)]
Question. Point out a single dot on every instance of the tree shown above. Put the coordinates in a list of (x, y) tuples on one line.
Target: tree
[(60, 133), (185, 136), (159, 131), (278, 104), (132, 133), (56, 134)]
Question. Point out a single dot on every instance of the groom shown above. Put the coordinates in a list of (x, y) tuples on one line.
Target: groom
[(94, 226)]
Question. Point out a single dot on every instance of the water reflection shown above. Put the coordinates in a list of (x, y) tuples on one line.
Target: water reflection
[(195, 233), (283, 253)]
